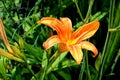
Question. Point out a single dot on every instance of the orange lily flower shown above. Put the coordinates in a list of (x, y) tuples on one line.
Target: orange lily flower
[(71, 41)]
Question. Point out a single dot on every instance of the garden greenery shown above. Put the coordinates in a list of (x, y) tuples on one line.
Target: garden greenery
[(79, 41)]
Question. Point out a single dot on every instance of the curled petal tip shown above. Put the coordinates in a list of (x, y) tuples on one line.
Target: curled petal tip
[(95, 53), (89, 46), (45, 46)]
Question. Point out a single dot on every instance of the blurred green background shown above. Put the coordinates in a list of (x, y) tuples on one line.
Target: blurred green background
[(20, 17)]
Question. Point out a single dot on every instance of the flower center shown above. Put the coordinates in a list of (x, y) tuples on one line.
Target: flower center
[(72, 42)]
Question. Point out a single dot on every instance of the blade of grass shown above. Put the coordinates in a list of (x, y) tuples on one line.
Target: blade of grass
[(87, 66), (115, 61), (57, 60), (108, 44), (89, 11)]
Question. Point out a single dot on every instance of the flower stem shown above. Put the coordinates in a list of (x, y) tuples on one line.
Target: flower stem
[(114, 29), (87, 66), (89, 11), (104, 53), (115, 61), (54, 56), (79, 12), (103, 59), (82, 69)]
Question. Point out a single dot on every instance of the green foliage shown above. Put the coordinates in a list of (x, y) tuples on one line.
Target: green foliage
[(2, 68), (27, 37)]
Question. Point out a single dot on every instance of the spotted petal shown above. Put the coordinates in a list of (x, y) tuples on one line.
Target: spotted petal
[(51, 41), (76, 53), (86, 31), (89, 46)]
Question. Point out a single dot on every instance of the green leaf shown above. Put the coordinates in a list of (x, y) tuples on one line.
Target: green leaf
[(33, 54), (65, 63), (51, 77), (98, 62), (44, 60), (2, 67), (98, 16), (93, 71), (65, 75), (56, 62)]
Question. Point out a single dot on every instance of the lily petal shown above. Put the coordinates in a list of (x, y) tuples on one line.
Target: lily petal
[(67, 27), (3, 35), (63, 47), (51, 41), (89, 46), (76, 52), (86, 31), (53, 23)]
